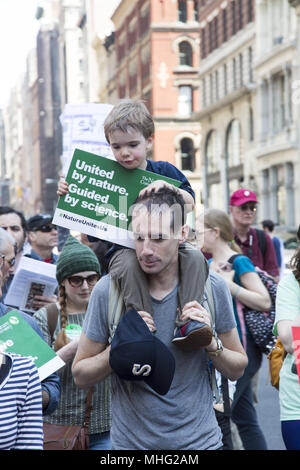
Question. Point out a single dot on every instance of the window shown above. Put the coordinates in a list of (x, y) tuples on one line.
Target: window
[(203, 43), (185, 100), (250, 11), (234, 82), (241, 69), (215, 45), (224, 25), (233, 13), (251, 125), (187, 154), (240, 11), (250, 65), (212, 152), (185, 54), (225, 79), (196, 9), (233, 144), (182, 11)]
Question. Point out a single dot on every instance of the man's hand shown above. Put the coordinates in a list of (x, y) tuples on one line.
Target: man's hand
[(63, 187), (148, 319)]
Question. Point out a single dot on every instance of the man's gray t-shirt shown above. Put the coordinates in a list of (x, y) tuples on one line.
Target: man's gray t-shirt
[(184, 418)]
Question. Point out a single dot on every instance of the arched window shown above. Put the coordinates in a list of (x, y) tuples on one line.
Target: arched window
[(212, 152), (187, 151), (185, 54), (233, 144)]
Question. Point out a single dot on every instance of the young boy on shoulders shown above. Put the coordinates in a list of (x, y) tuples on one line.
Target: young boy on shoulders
[(129, 130)]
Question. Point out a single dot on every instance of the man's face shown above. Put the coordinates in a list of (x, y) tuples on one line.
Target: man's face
[(8, 262), (12, 223), (156, 244), (42, 239), (244, 214)]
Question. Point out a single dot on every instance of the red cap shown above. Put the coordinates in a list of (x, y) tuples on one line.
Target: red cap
[(241, 196)]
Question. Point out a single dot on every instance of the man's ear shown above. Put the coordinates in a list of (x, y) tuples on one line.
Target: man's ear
[(183, 233), (31, 237)]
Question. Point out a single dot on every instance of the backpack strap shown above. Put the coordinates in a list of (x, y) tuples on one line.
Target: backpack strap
[(116, 307), (52, 317), (262, 241)]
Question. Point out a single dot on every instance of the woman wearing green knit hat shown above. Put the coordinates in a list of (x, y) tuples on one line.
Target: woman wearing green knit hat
[(77, 272)]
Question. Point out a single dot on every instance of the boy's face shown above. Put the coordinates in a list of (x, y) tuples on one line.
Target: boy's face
[(130, 148)]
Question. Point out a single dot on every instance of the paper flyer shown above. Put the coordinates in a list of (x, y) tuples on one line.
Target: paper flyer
[(296, 341), (100, 195), (32, 278), (17, 336)]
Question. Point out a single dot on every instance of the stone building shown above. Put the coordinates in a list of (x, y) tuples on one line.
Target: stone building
[(227, 99)]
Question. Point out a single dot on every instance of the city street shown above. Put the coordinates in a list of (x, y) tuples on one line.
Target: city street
[(268, 410)]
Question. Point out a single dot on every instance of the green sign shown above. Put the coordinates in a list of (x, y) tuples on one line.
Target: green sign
[(17, 336), (100, 195)]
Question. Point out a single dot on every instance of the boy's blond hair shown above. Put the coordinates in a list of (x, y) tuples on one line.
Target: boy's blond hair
[(129, 114)]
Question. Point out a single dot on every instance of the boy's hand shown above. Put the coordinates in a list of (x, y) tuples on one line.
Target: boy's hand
[(194, 311), (156, 185), (63, 187), (148, 319)]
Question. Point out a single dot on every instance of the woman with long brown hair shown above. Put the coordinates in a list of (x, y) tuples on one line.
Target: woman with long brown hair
[(246, 287)]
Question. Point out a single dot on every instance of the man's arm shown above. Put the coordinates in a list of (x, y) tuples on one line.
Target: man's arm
[(91, 362), (233, 360)]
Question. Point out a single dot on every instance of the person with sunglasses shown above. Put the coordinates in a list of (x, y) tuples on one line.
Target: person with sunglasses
[(42, 238), (254, 243), (77, 272)]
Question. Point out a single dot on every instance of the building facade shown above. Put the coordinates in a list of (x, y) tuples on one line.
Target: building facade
[(227, 99), (277, 137), (157, 60)]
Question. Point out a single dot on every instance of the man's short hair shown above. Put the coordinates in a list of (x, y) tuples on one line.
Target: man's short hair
[(160, 200), (129, 114), (9, 210), (269, 224)]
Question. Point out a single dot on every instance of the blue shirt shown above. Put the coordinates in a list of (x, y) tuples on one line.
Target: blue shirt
[(51, 384)]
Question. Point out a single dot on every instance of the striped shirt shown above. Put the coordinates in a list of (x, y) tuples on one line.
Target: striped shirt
[(21, 420)]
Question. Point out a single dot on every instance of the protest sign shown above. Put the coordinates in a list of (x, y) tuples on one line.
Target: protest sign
[(296, 341), (100, 195), (17, 336), (82, 128)]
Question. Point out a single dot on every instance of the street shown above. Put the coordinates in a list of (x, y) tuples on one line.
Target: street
[(268, 410)]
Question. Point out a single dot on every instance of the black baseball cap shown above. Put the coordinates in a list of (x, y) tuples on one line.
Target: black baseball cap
[(37, 221), (137, 354)]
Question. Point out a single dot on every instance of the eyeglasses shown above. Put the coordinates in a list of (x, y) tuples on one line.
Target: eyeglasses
[(46, 228), (77, 281), (204, 231), (246, 207), (11, 262)]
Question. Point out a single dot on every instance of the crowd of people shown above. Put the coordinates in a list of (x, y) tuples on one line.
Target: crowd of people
[(179, 331)]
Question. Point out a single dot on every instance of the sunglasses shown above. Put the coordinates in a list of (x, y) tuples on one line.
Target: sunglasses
[(246, 207), (11, 262), (77, 281), (46, 228)]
